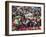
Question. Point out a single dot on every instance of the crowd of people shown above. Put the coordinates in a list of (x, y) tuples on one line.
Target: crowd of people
[(26, 18)]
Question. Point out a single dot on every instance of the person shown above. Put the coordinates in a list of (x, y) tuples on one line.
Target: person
[(25, 21), (17, 21)]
